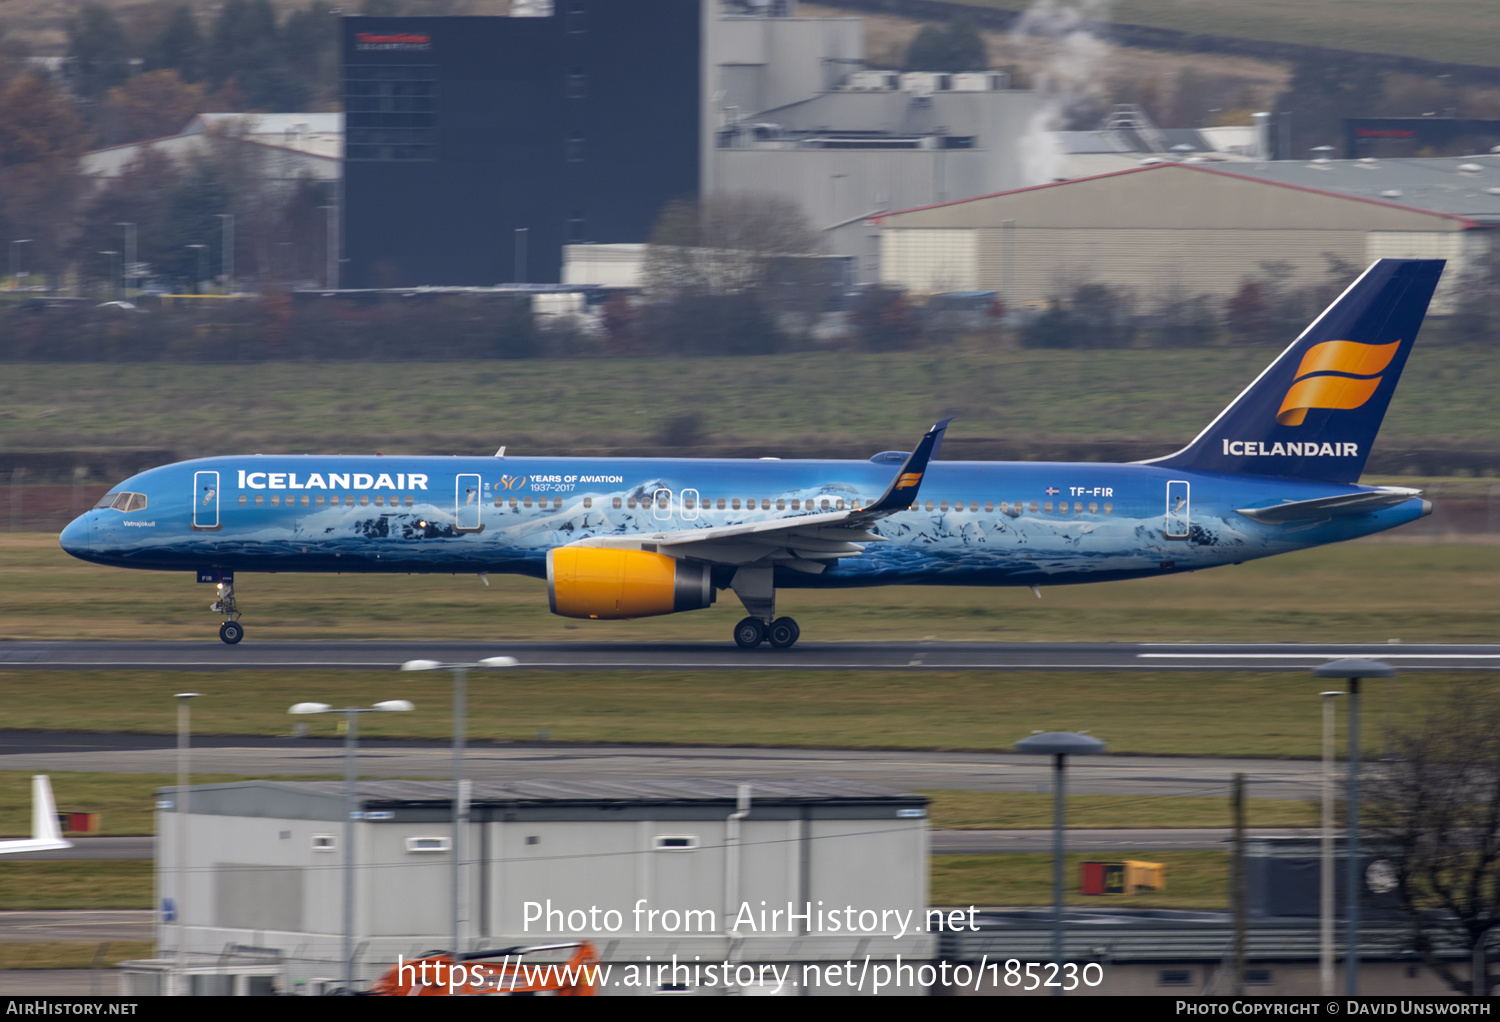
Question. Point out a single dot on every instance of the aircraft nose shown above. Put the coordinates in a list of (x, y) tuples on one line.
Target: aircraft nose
[(75, 538)]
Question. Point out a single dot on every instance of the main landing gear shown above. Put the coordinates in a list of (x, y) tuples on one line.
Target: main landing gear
[(231, 631), (783, 633)]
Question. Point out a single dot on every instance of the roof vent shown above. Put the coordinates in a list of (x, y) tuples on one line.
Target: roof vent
[(1152, 159), (1368, 162), (1391, 193), (1469, 168)]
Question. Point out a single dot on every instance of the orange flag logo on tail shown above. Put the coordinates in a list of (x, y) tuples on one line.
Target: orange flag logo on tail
[(1335, 374)]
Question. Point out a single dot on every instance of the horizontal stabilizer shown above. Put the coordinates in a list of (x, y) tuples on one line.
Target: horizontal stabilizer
[(1324, 508)]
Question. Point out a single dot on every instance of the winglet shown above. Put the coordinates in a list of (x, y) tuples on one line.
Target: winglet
[(903, 489), (44, 812)]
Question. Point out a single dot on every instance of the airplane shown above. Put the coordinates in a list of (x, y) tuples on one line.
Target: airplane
[(1276, 471), (46, 835)]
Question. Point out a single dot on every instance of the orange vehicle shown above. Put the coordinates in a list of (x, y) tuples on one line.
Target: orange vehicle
[(490, 973)]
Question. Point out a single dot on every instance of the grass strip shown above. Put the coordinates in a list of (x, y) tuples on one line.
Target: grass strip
[(1194, 880)]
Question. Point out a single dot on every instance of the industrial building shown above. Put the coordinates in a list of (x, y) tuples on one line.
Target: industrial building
[(281, 148), (700, 870), (1190, 228), (478, 147)]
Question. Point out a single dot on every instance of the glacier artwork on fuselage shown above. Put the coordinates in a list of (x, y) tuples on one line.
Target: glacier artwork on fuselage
[(1276, 471)]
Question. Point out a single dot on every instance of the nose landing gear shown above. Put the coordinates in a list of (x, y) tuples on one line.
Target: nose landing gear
[(231, 631)]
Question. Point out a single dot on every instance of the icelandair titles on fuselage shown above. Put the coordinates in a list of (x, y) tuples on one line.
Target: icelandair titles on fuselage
[(1310, 449), (332, 481)]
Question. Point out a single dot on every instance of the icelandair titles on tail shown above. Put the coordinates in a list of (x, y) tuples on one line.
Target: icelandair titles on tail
[(1277, 470)]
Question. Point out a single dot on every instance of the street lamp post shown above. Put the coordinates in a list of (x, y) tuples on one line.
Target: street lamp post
[(1353, 670), (113, 280), (180, 850), (198, 283), (130, 252), (351, 806), (1325, 912), (460, 782), (1058, 745), (15, 263), (331, 274), (226, 258)]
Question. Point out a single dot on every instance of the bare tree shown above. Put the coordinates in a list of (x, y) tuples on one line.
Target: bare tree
[(734, 273), (1435, 816)]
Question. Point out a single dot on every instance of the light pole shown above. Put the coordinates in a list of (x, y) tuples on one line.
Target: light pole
[(331, 275), (351, 806), (180, 850), (15, 247), (130, 252), (1325, 913), (1353, 670), (521, 237), (460, 782), (226, 257), (113, 284), (1058, 745), (198, 283)]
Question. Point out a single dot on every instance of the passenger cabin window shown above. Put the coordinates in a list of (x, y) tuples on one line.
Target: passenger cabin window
[(1109, 509), (526, 502), (557, 503), (721, 504), (615, 503), (1033, 507), (409, 502), (780, 503), (797, 505), (588, 502), (514, 503), (260, 499), (364, 500), (318, 500), (1047, 507), (243, 501), (943, 506), (929, 505), (1093, 508), (275, 500), (306, 500), (989, 507), (735, 504), (379, 500)]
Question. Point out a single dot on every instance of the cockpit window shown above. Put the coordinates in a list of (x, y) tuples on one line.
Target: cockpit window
[(123, 501)]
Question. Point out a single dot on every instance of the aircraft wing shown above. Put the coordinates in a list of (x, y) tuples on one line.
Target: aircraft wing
[(1323, 508), (46, 835), (804, 542)]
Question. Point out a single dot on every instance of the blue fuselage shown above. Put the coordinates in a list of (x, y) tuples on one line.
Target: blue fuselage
[(974, 523)]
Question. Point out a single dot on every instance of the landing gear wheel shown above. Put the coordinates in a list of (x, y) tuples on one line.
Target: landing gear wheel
[(783, 633), (231, 632), (749, 633)]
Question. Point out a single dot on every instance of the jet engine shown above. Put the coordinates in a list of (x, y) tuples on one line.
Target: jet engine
[(605, 583)]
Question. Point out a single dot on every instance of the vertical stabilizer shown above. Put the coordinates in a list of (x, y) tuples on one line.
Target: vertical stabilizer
[(1314, 412)]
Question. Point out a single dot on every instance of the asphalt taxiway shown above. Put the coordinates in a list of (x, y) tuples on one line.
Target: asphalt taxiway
[(714, 656)]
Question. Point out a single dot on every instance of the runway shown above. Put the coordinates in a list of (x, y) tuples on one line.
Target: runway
[(716, 656)]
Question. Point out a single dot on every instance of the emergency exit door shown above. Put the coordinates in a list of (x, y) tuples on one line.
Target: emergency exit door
[(1179, 510), (466, 503)]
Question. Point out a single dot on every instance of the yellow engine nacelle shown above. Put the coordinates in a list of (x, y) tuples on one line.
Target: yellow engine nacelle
[(604, 583)]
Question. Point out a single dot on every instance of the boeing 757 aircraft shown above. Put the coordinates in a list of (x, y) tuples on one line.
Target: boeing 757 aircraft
[(1278, 470)]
